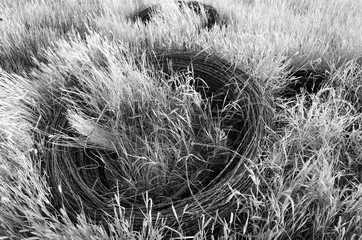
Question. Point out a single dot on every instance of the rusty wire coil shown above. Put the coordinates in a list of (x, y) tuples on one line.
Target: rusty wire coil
[(307, 80), (87, 177), (212, 14)]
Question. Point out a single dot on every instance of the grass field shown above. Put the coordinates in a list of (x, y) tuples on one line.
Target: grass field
[(76, 86)]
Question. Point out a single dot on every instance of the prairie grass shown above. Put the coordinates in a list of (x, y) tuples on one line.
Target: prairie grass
[(305, 176)]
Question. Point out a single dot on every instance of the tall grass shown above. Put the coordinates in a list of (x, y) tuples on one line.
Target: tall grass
[(306, 176)]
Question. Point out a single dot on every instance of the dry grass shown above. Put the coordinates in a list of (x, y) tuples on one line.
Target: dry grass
[(78, 91)]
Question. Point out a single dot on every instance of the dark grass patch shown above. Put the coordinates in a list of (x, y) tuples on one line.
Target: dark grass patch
[(305, 80)]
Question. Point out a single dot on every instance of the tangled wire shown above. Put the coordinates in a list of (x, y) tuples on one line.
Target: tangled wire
[(212, 15), (86, 174)]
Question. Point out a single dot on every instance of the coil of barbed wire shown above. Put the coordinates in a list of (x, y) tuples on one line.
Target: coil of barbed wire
[(212, 16), (87, 177)]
